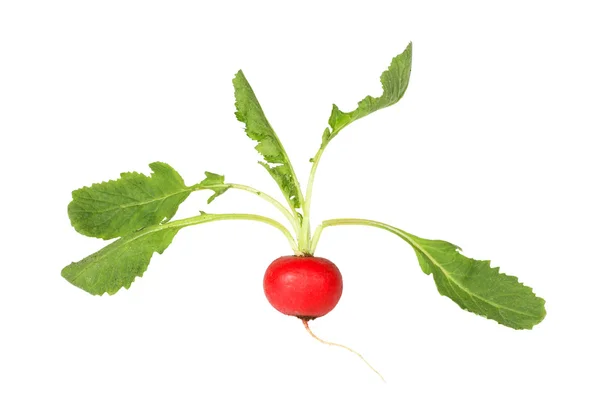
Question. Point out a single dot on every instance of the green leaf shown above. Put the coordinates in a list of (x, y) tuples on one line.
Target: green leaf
[(472, 284), (394, 81), (475, 286), (214, 180), (115, 208), (269, 146), (118, 264)]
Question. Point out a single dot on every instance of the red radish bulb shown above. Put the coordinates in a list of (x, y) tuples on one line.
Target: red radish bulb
[(303, 286)]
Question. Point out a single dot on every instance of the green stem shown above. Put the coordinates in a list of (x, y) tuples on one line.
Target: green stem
[(262, 195), (315, 238), (288, 215), (355, 221), (305, 242), (200, 219)]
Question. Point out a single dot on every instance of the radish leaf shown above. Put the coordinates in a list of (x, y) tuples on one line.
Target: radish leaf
[(472, 284), (115, 208), (476, 287), (269, 146), (118, 264), (394, 81)]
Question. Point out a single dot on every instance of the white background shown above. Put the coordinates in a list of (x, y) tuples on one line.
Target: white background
[(492, 148)]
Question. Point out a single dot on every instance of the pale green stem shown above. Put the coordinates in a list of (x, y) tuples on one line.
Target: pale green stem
[(315, 238), (262, 195), (200, 219), (354, 221), (278, 205), (305, 241)]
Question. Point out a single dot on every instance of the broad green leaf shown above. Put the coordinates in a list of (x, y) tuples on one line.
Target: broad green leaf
[(276, 161), (394, 81), (475, 286), (115, 208), (118, 264)]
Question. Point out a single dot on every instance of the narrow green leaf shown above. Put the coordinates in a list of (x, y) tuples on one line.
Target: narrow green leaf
[(394, 81), (115, 208), (475, 286), (472, 284), (269, 146), (118, 264)]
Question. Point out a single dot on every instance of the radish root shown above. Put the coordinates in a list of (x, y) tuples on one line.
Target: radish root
[(305, 322)]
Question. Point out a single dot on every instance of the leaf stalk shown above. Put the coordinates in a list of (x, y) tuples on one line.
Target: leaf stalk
[(286, 213)]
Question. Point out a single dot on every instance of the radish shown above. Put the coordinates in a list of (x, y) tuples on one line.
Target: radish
[(304, 287), (136, 210)]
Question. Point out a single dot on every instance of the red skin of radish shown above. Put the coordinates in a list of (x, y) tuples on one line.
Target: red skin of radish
[(303, 286)]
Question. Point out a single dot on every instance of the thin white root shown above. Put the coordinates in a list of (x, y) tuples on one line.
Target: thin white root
[(305, 322)]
